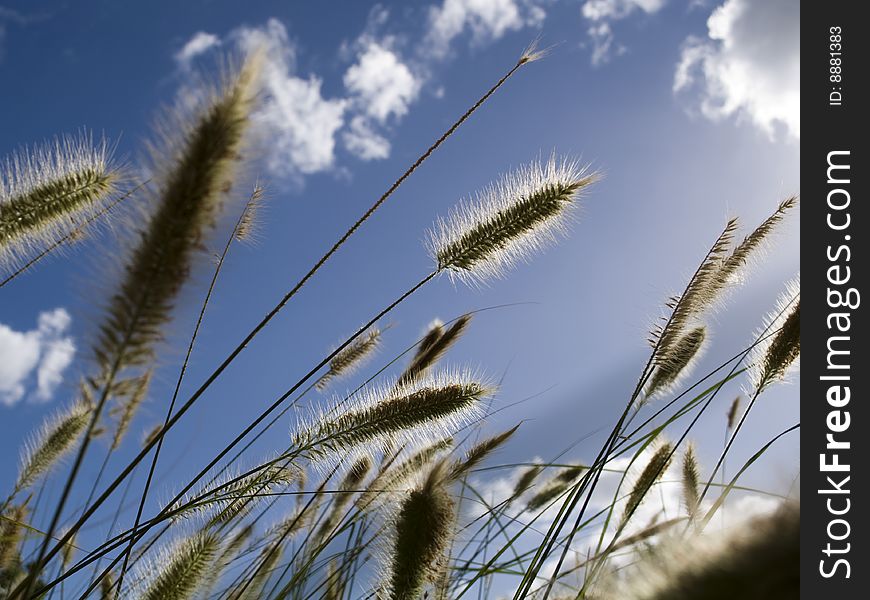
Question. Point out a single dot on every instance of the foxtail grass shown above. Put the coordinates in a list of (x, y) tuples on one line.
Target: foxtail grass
[(676, 363), (430, 409), (57, 437), (432, 348), (779, 350), (509, 220), (351, 358), (49, 191), (760, 560), (182, 569), (423, 529)]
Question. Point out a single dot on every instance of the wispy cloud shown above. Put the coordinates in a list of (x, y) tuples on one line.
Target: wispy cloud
[(32, 362), (486, 20), (748, 66), (383, 80), (601, 14), (200, 43)]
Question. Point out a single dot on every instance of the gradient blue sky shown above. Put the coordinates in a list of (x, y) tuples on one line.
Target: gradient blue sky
[(677, 164)]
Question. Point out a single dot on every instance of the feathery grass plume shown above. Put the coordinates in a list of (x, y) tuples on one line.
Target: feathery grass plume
[(253, 589), (423, 529), (690, 480), (47, 192), (509, 220), (478, 453), (432, 408), (719, 269), (128, 404), (434, 331), (11, 534), (249, 223), (151, 434), (773, 357), (68, 551), (525, 480), (352, 481), (731, 416), (677, 361), (554, 487), (57, 436), (651, 473), (700, 293), (107, 587), (335, 585), (194, 172), (432, 348), (230, 497), (760, 560), (729, 271), (180, 571), (393, 478), (351, 357)]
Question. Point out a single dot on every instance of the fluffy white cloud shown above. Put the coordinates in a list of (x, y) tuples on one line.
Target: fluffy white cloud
[(200, 43), (300, 123), (748, 66), (363, 141), (486, 19), (381, 87), (382, 83), (39, 356), (602, 13)]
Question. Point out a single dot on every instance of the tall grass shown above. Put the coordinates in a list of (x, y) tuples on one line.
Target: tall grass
[(380, 491)]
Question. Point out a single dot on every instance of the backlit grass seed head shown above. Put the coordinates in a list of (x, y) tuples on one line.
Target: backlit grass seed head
[(425, 411), (508, 221), (525, 480), (757, 560), (676, 363), (700, 293), (194, 171), (12, 531), (734, 263), (478, 453), (691, 477), (773, 358), (396, 477), (57, 436), (230, 496), (249, 223), (432, 349), (179, 571), (128, 405), (49, 191), (554, 487), (651, 473), (731, 416), (351, 357), (423, 529)]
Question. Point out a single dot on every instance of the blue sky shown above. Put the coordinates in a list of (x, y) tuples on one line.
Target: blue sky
[(689, 109)]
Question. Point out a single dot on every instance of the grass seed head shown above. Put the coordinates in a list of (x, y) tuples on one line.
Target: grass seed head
[(508, 221)]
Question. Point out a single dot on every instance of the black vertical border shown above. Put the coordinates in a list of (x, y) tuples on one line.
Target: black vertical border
[(827, 128)]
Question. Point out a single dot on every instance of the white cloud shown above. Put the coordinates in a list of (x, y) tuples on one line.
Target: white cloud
[(200, 43), (749, 65), (298, 121), (487, 20), (382, 83), (41, 354), (361, 140), (602, 14)]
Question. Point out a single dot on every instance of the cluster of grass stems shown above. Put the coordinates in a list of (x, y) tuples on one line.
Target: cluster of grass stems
[(377, 492)]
